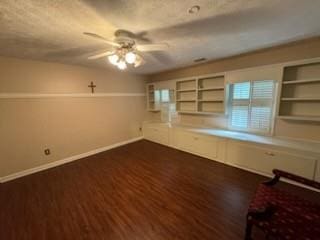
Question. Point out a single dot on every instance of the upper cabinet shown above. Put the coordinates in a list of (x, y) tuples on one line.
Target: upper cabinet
[(300, 94), (211, 97), (153, 98), (186, 95), (298, 91), (201, 95)]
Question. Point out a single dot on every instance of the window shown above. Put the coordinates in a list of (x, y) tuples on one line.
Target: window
[(165, 100), (251, 106), (165, 95)]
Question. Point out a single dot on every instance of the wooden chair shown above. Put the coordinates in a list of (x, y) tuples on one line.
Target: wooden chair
[(283, 215)]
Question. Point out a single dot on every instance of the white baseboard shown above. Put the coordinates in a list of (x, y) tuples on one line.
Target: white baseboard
[(65, 160), (272, 175)]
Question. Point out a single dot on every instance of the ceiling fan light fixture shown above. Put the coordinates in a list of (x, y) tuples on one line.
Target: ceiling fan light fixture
[(113, 59), (138, 61), (122, 65), (126, 51), (130, 57)]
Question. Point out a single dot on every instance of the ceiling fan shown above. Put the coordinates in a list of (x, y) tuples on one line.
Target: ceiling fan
[(125, 49)]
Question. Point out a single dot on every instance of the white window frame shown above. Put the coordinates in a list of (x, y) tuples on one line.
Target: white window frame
[(249, 102)]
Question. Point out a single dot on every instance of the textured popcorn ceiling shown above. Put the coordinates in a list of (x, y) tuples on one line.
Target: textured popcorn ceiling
[(51, 30)]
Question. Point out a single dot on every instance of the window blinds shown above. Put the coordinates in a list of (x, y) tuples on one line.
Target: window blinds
[(240, 116), (252, 105), (241, 90)]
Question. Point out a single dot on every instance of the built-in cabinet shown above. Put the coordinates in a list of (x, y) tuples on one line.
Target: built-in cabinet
[(209, 147), (300, 94), (158, 133), (260, 158), (298, 98), (264, 159), (153, 98), (201, 95)]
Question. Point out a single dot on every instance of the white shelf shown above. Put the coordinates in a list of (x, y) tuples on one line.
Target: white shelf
[(186, 80), (301, 118), (211, 89), (201, 113), (186, 100), (301, 81), (187, 90), (210, 100), (186, 85), (301, 99), (187, 112)]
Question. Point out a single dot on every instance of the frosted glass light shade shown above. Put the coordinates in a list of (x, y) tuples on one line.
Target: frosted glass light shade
[(122, 65), (113, 59), (130, 57)]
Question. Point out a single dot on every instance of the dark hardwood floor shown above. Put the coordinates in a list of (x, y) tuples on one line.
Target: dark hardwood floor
[(141, 191)]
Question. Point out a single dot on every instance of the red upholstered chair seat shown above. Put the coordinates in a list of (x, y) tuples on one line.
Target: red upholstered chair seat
[(283, 215), (289, 217)]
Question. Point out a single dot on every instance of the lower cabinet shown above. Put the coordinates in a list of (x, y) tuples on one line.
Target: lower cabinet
[(157, 134), (264, 159), (207, 146), (251, 156)]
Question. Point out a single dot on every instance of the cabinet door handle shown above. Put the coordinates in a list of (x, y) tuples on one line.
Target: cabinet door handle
[(269, 153)]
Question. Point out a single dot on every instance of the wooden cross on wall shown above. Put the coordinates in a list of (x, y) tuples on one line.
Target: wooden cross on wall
[(92, 86)]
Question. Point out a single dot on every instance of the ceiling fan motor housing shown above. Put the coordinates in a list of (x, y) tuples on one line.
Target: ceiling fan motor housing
[(124, 38)]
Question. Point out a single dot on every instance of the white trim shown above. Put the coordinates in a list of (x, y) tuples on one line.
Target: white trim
[(65, 160), (271, 176), (72, 95)]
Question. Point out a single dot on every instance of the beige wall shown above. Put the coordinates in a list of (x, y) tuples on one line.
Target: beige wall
[(295, 51), (67, 125)]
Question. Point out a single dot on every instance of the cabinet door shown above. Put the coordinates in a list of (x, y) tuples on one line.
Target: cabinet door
[(206, 146), (265, 159), (158, 135), (185, 140)]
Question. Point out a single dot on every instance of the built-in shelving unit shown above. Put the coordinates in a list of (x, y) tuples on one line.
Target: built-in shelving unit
[(300, 93), (153, 97), (201, 95), (186, 95), (211, 94)]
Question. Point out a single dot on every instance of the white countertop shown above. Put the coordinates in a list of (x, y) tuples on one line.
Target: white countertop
[(300, 145)]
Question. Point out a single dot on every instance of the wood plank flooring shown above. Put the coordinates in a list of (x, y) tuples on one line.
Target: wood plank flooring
[(141, 191)]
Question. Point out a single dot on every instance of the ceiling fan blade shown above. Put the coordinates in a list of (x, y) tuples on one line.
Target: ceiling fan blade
[(139, 61), (96, 36), (100, 55), (153, 47)]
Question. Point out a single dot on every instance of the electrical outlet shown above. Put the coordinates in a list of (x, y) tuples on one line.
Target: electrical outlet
[(47, 151)]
